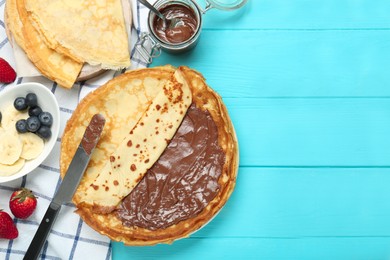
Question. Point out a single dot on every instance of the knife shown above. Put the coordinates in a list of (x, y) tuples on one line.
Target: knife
[(69, 184)]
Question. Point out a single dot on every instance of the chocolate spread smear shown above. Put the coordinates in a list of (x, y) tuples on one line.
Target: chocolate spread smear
[(92, 133), (184, 179)]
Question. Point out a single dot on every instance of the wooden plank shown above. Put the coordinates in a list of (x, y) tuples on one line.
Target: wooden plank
[(261, 248), (302, 14), (312, 131), (291, 63), (293, 203), (292, 213), (305, 202)]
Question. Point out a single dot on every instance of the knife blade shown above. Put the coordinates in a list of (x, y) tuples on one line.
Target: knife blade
[(68, 185)]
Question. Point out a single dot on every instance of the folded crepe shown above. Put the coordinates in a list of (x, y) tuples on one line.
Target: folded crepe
[(140, 149), (94, 33), (55, 66), (91, 31), (13, 22), (122, 101)]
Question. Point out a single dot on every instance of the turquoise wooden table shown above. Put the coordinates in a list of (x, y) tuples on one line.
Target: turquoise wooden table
[(307, 84)]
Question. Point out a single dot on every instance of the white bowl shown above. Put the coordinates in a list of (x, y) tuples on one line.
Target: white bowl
[(47, 102)]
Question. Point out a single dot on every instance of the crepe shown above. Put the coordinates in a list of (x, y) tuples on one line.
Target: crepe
[(140, 149), (122, 101), (13, 22), (89, 31), (51, 64)]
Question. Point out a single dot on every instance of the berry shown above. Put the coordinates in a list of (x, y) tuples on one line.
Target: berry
[(1, 116), (31, 100), (21, 126), (22, 203), (46, 118), (20, 104), (44, 132), (7, 73), (34, 111), (33, 124), (8, 229)]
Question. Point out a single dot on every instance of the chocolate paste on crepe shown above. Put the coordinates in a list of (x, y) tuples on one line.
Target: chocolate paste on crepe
[(184, 179)]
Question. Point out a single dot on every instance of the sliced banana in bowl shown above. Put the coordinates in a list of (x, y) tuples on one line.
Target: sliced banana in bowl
[(16, 149), (10, 148), (8, 170), (22, 152), (32, 146), (11, 116)]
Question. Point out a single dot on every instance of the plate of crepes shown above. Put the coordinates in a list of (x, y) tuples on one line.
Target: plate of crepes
[(68, 41), (166, 162)]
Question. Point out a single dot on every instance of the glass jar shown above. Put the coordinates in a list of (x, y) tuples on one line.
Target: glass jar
[(158, 44)]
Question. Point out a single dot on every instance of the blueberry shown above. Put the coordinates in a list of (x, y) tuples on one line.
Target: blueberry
[(31, 100), (20, 103), (46, 118), (44, 132), (21, 126), (33, 124), (34, 111)]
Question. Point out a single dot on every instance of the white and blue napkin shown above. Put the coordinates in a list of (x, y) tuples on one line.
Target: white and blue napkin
[(70, 237)]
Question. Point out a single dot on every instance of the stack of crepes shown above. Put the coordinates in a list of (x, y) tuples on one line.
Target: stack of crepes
[(61, 36), (167, 159)]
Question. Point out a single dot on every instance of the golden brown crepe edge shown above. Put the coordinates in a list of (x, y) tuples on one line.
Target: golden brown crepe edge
[(13, 29)]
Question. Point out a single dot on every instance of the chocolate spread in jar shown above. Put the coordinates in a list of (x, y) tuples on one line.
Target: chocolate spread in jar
[(184, 179), (180, 26)]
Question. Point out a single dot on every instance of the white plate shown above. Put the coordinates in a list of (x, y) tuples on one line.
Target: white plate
[(48, 102)]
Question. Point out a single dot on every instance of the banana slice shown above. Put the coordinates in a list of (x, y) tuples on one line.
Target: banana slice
[(32, 146), (7, 170), (10, 148), (11, 116)]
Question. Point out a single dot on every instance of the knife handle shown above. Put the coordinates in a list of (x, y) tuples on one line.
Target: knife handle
[(43, 231)]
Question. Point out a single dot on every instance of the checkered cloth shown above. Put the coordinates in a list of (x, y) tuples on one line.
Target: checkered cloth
[(70, 237)]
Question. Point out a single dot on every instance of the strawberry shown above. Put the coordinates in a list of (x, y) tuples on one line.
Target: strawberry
[(7, 73), (8, 229), (22, 203)]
